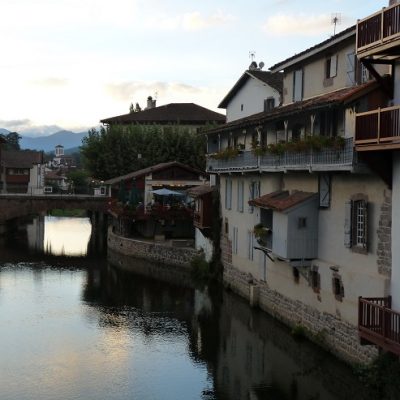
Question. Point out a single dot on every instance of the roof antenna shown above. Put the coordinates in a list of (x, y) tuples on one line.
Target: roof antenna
[(336, 19)]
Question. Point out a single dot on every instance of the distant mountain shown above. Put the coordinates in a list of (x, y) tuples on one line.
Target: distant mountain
[(67, 139), (4, 131)]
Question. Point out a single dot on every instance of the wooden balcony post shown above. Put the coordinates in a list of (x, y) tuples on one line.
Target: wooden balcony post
[(379, 125), (382, 19)]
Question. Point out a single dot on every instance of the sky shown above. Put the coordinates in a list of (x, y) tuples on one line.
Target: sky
[(69, 63)]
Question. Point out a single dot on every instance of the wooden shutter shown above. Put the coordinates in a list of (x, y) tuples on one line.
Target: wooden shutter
[(365, 244), (348, 223), (351, 68), (251, 195), (333, 69), (324, 190)]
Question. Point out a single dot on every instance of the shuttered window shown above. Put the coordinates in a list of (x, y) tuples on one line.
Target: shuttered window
[(298, 85), (324, 184), (228, 193), (356, 225), (235, 240), (254, 193), (240, 196)]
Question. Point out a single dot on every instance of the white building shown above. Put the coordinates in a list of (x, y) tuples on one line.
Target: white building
[(299, 208)]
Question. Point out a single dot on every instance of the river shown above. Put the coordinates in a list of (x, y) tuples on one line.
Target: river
[(74, 326)]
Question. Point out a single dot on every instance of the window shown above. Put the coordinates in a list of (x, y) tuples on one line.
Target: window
[(296, 275), (228, 193), (226, 223), (240, 196), (250, 245), (254, 192), (356, 224), (241, 107), (331, 67), (302, 222), (324, 189), (298, 85), (269, 104), (337, 287), (315, 280), (235, 240)]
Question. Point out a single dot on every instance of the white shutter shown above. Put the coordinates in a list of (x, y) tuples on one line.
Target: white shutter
[(350, 68), (333, 70), (324, 190), (347, 223)]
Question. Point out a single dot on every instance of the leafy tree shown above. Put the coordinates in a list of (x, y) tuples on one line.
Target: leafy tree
[(12, 140), (79, 178), (118, 150)]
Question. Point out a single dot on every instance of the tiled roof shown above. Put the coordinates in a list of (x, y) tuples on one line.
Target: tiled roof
[(337, 97), (21, 158), (183, 113), (146, 171), (200, 190), (333, 40), (275, 80), (281, 200)]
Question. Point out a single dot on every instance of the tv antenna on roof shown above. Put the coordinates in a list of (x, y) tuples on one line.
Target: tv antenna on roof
[(336, 19)]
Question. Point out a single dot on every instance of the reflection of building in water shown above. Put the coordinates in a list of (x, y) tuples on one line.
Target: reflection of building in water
[(258, 359), (35, 233)]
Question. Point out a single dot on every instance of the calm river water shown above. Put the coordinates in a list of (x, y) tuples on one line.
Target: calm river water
[(82, 328)]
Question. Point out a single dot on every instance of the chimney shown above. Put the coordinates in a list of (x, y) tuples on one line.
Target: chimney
[(150, 103)]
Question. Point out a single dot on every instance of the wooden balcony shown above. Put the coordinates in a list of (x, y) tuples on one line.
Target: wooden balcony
[(378, 129), (379, 33), (378, 324), (325, 159)]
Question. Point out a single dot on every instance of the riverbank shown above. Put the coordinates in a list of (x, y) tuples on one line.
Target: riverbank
[(159, 252)]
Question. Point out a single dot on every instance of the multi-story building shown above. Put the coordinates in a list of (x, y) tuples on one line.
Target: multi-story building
[(300, 209), (377, 141)]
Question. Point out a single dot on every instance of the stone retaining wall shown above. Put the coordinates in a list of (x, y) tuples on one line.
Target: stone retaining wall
[(157, 252), (330, 332)]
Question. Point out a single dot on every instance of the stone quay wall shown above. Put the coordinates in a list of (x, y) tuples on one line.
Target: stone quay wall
[(333, 334), (157, 252)]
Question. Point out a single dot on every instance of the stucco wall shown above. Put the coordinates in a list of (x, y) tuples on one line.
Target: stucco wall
[(395, 283), (252, 96)]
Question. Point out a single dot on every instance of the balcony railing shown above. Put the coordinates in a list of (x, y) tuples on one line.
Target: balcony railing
[(322, 160), (378, 323), (379, 28), (378, 127)]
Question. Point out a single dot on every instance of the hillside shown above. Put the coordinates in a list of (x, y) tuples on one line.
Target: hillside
[(67, 139)]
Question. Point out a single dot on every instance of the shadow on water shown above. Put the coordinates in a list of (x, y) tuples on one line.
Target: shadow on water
[(249, 354)]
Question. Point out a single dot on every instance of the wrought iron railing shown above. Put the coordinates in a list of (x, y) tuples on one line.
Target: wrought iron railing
[(378, 28), (378, 126), (326, 158)]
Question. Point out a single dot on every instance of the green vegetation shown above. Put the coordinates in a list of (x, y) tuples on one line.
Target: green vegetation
[(118, 150), (381, 377)]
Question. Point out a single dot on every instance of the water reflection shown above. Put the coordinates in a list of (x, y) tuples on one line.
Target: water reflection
[(79, 328), (66, 236)]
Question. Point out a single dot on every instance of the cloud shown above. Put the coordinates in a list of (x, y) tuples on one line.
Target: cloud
[(192, 21), (51, 82), (135, 91), (14, 124), (298, 24)]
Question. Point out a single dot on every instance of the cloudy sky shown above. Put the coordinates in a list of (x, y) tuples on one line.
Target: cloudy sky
[(71, 63)]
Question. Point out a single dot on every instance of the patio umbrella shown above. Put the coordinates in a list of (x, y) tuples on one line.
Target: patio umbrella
[(166, 192)]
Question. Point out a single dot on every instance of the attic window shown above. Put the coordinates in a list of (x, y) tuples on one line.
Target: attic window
[(241, 107), (269, 104), (331, 67), (302, 222)]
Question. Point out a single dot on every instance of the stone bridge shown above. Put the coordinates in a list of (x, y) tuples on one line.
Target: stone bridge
[(19, 205)]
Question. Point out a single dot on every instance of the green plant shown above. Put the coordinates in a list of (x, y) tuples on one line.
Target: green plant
[(226, 154), (259, 150), (299, 332), (200, 268), (277, 148)]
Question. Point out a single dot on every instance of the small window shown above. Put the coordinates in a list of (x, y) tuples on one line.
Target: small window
[(296, 275), (240, 196), (331, 67), (315, 280), (302, 222), (337, 287), (269, 104), (226, 226), (228, 193), (356, 224), (241, 107)]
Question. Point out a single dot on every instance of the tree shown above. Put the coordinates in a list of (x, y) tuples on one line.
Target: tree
[(12, 140), (115, 150), (132, 109)]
